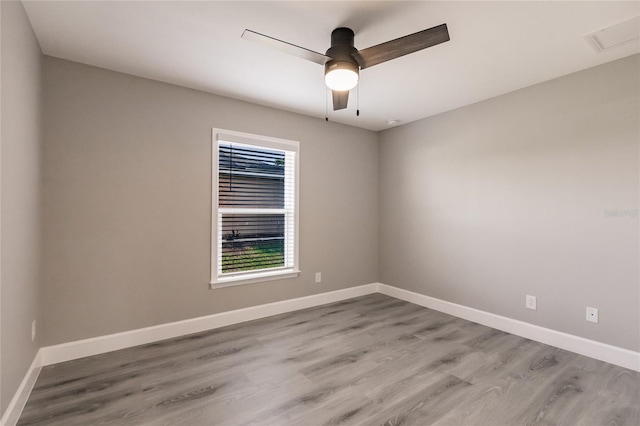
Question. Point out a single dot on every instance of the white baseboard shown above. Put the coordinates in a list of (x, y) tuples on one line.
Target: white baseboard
[(111, 342), (602, 351), (17, 403)]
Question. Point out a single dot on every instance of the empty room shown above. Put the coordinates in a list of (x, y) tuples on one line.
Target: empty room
[(319, 213)]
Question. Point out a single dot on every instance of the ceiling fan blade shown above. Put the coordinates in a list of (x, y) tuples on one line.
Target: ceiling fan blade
[(340, 99), (393, 49), (283, 46)]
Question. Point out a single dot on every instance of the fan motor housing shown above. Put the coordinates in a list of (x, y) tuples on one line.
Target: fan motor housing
[(341, 51)]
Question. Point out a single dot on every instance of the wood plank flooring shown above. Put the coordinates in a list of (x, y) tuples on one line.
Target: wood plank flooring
[(371, 360)]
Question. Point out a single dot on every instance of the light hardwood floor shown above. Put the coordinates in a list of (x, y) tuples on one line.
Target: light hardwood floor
[(369, 360)]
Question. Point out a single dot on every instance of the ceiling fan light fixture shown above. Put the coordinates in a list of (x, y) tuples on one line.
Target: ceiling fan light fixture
[(341, 75), (343, 62)]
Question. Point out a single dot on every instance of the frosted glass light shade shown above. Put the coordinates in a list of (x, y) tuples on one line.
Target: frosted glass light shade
[(341, 79)]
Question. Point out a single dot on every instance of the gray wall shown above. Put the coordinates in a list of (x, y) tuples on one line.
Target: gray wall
[(127, 169), (483, 205), (20, 192)]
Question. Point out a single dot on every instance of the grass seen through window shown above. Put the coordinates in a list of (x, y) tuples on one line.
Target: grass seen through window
[(247, 256)]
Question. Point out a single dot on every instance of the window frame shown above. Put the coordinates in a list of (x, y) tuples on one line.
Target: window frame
[(249, 277)]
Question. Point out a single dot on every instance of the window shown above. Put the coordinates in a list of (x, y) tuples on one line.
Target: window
[(255, 208)]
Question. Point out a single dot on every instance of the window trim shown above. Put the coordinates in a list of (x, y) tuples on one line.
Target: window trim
[(250, 277)]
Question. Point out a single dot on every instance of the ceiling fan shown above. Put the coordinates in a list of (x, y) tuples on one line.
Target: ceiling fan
[(343, 62)]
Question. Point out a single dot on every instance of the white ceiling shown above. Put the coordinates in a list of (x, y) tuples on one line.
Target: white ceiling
[(495, 48)]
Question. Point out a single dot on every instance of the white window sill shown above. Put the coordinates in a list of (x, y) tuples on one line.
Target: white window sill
[(222, 282)]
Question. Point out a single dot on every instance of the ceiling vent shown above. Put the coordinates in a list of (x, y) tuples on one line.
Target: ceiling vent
[(615, 35)]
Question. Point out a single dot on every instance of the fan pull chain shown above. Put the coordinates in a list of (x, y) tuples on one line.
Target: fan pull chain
[(358, 101), (326, 106)]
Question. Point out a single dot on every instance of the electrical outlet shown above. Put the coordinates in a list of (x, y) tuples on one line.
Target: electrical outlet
[(592, 314), (531, 302), (33, 330), (318, 277)]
